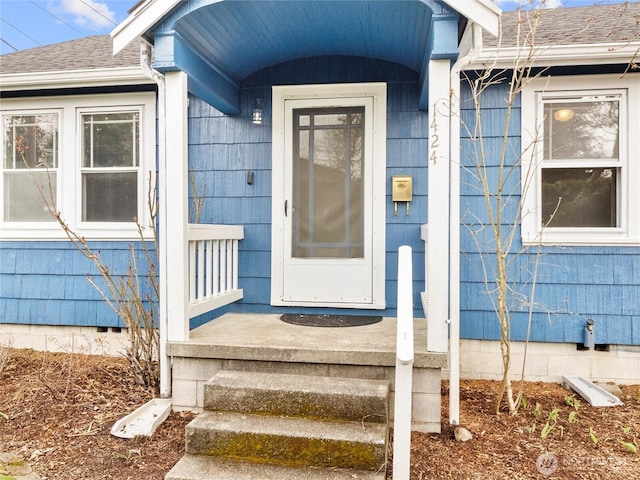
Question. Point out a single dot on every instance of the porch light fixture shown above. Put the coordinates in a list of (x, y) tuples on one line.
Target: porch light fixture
[(563, 115), (256, 116)]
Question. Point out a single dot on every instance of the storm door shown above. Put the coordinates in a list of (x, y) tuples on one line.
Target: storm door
[(327, 204)]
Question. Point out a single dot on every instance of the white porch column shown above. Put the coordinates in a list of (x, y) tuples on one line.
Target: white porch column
[(174, 198), (437, 255)]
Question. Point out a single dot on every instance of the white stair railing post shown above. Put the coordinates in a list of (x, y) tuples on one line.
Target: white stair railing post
[(404, 368)]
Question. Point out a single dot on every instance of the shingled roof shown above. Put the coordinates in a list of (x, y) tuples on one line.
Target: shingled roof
[(597, 24), (560, 26), (86, 53)]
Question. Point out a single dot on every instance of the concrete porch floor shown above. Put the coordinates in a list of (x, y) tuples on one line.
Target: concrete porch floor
[(263, 342), (266, 337)]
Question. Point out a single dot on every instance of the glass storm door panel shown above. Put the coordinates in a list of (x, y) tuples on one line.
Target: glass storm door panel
[(327, 215), (327, 184)]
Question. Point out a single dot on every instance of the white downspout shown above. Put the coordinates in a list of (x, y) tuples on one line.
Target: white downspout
[(165, 362), (454, 224)]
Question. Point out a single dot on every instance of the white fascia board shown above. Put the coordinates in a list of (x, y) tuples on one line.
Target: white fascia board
[(141, 19), (483, 12), (74, 78), (558, 55)]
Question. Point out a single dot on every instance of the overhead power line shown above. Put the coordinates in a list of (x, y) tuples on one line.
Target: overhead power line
[(7, 43), (23, 33), (99, 13), (58, 18)]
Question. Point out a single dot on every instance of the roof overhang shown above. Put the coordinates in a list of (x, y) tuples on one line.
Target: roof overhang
[(218, 43), (147, 14), (106, 77)]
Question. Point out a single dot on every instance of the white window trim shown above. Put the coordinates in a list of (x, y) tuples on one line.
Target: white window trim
[(69, 193), (628, 233)]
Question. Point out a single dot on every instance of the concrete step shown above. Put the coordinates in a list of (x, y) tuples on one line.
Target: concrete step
[(306, 396), (192, 467), (288, 441)]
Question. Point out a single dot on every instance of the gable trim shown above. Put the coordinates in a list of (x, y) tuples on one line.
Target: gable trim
[(139, 21), (483, 12)]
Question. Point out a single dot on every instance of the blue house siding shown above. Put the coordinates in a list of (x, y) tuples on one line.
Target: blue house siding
[(573, 283), (45, 283), (223, 149)]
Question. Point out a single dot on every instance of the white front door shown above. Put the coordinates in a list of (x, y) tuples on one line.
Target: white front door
[(328, 196)]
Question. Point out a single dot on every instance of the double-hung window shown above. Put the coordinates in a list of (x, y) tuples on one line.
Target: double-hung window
[(90, 157), (580, 166), (30, 165), (110, 153)]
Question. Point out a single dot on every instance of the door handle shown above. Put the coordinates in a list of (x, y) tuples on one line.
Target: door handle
[(286, 203)]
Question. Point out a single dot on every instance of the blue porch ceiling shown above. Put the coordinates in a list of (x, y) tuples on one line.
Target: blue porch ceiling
[(219, 43)]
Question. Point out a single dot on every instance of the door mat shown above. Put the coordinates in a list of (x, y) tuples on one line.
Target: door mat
[(312, 320)]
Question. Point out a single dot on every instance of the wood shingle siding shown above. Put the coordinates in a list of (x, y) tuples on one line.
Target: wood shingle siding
[(574, 283), (45, 283)]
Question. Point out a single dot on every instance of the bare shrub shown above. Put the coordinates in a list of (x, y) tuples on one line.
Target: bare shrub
[(124, 293)]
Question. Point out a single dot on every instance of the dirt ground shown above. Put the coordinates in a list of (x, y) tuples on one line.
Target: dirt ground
[(56, 411)]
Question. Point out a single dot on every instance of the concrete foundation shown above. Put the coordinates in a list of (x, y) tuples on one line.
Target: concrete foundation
[(51, 338), (549, 362)]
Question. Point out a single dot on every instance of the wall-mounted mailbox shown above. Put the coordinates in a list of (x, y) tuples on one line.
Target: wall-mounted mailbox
[(401, 191)]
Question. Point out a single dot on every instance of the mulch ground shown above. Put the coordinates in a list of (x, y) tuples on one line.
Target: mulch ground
[(56, 411)]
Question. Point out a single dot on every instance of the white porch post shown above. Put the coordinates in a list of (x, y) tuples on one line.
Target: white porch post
[(175, 222), (437, 255)]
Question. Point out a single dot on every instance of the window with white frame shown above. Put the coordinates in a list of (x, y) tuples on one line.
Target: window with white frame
[(89, 157), (110, 168), (580, 160), (30, 165)]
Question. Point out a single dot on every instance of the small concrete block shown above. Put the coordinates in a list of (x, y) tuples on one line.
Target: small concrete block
[(470, 345), (184, 394), (561, 366), (426, 380), (536, 367), (426, 427), (426, 408), (611, 368), (480, 363), (626, 351), (195, 368)]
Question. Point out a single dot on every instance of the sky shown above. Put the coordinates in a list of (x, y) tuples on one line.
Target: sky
[(28, 24), (31, 23)]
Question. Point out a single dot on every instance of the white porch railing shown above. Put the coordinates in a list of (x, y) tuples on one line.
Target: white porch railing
[(213, 266), (402, 413)]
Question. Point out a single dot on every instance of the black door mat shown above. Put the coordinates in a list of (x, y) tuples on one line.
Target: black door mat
[(312, 320)]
